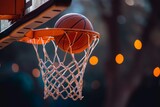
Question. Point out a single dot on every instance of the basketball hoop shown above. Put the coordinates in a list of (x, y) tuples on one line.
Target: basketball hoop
[(62, 71)]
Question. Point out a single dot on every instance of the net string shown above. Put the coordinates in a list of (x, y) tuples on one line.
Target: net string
[(65, 80)]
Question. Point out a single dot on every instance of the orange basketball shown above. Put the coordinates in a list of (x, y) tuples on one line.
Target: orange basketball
[(73, 42)]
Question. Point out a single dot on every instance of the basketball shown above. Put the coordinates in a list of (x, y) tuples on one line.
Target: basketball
[(73, 42)]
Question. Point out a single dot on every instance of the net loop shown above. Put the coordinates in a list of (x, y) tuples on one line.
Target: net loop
[(62, 72)]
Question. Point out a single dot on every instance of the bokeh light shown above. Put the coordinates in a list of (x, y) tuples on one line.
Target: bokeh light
[(15, 67), (129, 2), (138, 44), (156, 72), (119, 58), (36, 73), (93, 60)]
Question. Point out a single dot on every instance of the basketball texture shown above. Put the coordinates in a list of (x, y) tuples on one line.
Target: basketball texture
[(73, 42)]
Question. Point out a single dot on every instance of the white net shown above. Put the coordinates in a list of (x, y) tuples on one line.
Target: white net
[(62, 72)]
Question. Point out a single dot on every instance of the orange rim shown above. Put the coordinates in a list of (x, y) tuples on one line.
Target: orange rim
[(48, 34)]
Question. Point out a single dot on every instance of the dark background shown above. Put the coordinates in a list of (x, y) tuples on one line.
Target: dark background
[(107, 84)]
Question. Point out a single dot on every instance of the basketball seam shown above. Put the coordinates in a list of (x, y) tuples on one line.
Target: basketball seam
[(77, 22), (72, 27), (64, 20), (80, 37), (81, 33), (64, 34)]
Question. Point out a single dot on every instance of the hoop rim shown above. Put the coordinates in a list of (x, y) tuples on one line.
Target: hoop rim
[(45, 33), (81, 30)]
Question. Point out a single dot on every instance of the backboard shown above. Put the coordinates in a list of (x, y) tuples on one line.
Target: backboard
[(37, 12), (31, 5)]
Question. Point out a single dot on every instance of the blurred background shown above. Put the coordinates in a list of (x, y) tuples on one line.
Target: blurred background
[(127, 73)]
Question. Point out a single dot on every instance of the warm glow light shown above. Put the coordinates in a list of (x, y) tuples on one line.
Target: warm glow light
[(156, 72), (129, 2), (138, 44), (15, 67), (119, 59), (93, 60), (36, 72)]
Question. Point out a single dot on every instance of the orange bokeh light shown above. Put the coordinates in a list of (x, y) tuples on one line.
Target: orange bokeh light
[(36, 72), (138, 44), (93, 60), (119, 58), (156, 71)]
